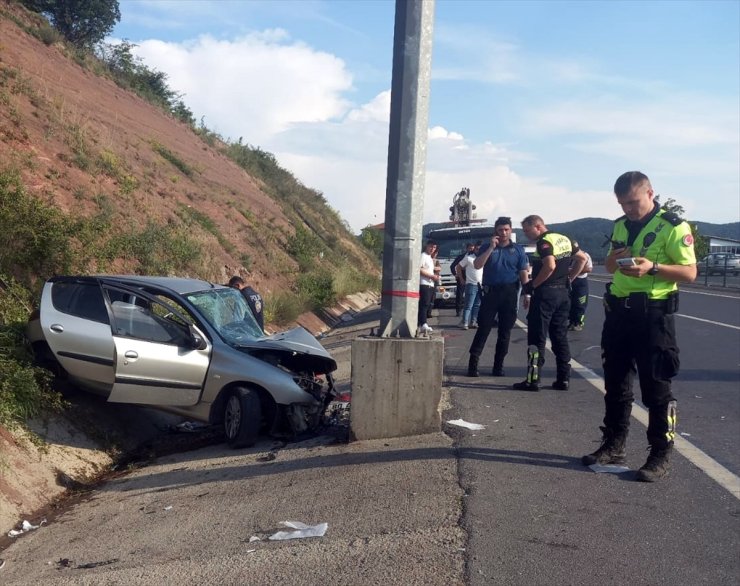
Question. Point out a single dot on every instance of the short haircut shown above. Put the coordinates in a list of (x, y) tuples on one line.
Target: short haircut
[(502, 221), (235, 280), (532, 220), (430, 242), (626, 182)]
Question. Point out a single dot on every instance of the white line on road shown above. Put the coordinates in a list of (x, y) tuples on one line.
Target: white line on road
[(716, 471)]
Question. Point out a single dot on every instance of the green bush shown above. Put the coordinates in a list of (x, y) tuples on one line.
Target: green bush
[(283, 307), (25, 390), (317, 288)]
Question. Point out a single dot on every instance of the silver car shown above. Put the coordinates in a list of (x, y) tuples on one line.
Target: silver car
[(185, 346)]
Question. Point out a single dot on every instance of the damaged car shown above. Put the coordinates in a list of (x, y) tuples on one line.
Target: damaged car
[(186, 346)]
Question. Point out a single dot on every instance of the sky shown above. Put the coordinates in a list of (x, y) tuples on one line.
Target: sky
[(536, 107)]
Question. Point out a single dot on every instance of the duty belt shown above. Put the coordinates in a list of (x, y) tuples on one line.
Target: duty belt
[(640, 303)]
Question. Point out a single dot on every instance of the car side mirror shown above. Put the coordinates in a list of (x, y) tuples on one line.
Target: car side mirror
[(198, 342)]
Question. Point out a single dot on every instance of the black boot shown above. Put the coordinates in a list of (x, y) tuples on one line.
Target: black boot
[(612, 449), (562, 382), (473, 366), (532, 382), (498, 367), (657, 465)]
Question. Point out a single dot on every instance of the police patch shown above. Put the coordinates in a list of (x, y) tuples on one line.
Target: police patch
[(688, 240)]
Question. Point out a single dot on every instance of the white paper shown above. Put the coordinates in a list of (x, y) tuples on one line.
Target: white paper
[(25, 528), (254, 538), (466, 424), (608, 468), (301, 530)]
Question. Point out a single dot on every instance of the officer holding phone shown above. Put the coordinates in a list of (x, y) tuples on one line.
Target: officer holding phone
[(651, 252)]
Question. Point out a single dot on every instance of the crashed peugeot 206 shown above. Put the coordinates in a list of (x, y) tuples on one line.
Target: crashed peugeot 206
[(185, 346)]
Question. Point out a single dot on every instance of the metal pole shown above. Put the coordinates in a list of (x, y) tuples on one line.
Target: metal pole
[(404, 198)]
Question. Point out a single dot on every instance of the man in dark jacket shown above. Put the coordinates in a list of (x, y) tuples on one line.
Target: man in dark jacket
[(254, 299)]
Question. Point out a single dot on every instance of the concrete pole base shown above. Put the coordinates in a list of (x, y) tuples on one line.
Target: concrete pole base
[(396, 387)]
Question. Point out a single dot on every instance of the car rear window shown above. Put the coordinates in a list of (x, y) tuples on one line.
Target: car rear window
[(83, 300)]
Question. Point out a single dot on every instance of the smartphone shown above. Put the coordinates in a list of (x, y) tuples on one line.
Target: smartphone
[(626, 262)]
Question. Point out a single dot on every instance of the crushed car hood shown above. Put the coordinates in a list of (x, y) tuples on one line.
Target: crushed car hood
[(298, 349)]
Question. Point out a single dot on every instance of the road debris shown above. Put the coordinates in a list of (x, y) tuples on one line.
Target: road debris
[(301, 530), (466, 424), (26, 526)]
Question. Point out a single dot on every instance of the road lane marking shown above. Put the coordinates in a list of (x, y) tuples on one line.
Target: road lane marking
[(701, 319), (683, 290), (716, 471)]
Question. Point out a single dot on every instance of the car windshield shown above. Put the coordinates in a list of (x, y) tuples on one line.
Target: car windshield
[(227, 312)]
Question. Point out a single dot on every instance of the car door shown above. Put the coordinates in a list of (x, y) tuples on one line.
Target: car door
[(156, 363), (76, 325)]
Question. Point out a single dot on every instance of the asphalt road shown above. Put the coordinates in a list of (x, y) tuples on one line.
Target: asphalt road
[(510, 504), (535, 515)]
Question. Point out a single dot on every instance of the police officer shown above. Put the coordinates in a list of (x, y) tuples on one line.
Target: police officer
[(555, 260), (505, 265), (254, 299), (652, 250)]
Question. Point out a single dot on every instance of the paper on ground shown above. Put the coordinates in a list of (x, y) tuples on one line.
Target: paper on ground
[(608, 468), (301, 530), (25, 527), (466, 424)]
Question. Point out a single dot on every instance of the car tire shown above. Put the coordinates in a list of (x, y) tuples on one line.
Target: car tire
[(242, 417)]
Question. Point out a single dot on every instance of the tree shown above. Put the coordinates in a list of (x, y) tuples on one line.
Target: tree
[(372, 239), (701, 246), (84, 23)]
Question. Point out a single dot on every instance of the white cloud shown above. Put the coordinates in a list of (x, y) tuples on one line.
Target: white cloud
[(254, 86)]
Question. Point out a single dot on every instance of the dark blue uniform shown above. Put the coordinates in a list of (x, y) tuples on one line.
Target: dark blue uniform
[(499, 297)]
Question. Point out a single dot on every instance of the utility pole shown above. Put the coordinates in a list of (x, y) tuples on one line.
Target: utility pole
[(396, 378), (407, 146)]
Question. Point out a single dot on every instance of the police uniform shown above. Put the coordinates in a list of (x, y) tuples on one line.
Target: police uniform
[(499, 290), (639, 328), (548, 312), (254, 300)]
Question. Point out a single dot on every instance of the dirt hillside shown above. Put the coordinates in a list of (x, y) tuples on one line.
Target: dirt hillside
[(84, 145)]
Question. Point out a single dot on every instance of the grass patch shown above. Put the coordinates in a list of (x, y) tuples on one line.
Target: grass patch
[(172, 158)]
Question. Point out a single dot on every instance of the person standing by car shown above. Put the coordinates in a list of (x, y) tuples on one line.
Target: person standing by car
[(427, 281), (468, 274), (546, 297), (504, 265), (652, 251), (254, 299), (579, 295), (460, 279)]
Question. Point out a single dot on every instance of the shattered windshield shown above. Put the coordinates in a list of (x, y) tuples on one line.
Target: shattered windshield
[(228, 313)]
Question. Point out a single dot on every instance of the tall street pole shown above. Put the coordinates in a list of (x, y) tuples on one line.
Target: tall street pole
[(404, 199)]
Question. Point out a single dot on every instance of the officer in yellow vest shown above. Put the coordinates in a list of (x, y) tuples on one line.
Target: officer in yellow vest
[(555, 263), (652, 250)]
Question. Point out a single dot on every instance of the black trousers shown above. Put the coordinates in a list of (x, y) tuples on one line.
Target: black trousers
[(426, 299), (501, 301), (578, 301), (645, 343), (548, 314), (459, 297)]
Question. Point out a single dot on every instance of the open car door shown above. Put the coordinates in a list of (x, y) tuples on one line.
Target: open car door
[(161, 359)]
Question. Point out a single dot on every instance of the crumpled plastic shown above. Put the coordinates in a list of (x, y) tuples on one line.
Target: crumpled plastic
[(609, 468), (301, 530), (25, 528), (466, 424)]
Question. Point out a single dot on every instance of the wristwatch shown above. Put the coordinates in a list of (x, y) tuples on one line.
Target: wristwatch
[(654, 269)]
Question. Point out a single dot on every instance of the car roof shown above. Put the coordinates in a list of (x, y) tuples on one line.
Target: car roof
[(180, 285)]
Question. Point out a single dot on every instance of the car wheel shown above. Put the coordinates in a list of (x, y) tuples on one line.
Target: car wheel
[(242, 417)]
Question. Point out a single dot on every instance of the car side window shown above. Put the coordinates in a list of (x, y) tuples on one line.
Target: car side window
[(83, 300)]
